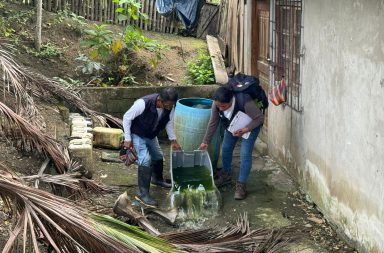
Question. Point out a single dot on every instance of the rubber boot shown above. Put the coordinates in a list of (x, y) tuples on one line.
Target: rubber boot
[(157, 174), (144, 179)]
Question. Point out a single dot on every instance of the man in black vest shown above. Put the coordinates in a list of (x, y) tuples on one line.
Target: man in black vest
[(142, 123)]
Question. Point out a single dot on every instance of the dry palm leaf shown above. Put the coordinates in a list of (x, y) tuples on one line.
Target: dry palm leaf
[(233, 238), (67, 227), (23, 81), (70, 96), (32, 138), (75, 184), (16, 81)]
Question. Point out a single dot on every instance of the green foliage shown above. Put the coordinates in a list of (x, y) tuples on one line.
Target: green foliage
[(5, 30), (47, 50), (12, 21), (99, 40), (20, 17), (132, 235), (201, 70), (103, 46), (135, 40), (70, 82), (215, 2), (88, 66), (128, 80), (66, 13), (129, 9), (133, 36)]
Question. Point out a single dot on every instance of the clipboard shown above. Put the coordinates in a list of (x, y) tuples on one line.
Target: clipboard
[(240, 121)]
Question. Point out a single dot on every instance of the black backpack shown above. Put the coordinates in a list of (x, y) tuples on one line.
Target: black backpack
[(242, 84)]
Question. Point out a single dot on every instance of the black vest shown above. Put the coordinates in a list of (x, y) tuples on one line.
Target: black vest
[(144, 125)]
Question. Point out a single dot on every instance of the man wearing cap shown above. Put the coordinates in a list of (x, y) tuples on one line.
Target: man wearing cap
[(142, 123)]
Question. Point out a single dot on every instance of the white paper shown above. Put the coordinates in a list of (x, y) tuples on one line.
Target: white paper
[(240, 121)]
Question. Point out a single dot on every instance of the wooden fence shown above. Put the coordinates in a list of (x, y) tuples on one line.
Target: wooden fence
[(104, 11)]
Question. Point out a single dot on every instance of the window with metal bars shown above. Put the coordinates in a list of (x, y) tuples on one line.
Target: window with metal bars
[(286, 44)]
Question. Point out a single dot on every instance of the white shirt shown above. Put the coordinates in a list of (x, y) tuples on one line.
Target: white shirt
[(228, 113), (137, 109)]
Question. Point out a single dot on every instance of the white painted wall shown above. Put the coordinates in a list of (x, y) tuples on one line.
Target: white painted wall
[(335, 147)]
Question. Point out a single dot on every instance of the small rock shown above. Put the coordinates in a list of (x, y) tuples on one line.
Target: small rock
[(3, 216), (308, 225), (316, 220)]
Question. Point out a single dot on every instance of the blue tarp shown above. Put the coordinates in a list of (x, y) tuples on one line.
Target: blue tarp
[(165, 7), (186, 11)]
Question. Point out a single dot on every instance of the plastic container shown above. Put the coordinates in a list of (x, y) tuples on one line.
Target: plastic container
[(80, 134), (193, 190), (191, 121), (80, 122), (81, 150), (105, 137), (74, 115), (76, 128)]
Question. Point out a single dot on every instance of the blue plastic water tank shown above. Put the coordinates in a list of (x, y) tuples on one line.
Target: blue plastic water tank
[(191, 121)]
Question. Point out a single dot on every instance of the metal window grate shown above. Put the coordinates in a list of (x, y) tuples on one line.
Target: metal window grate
[(286, 44)]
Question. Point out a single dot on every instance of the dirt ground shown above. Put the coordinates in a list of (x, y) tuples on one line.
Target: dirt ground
[(274, 200)]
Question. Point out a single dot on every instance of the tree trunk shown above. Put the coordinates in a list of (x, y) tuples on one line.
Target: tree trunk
[(39, 15)]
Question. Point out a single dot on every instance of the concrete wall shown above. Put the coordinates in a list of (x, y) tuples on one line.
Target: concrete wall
[(117, 100), (335, 147)]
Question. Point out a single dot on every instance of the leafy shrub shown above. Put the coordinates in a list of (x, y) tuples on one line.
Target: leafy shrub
[(99, 40), (133, 37), (47, 50), (69, 83), (201, 70), (67, 13), (88, 66)]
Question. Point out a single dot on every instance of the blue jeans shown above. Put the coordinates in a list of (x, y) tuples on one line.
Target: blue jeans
[(246, 149), (146, 149)]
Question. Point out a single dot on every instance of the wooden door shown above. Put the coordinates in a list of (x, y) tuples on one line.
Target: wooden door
[(260, 48)]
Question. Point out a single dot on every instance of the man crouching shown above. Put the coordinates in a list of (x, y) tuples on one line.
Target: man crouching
[(142, 123)]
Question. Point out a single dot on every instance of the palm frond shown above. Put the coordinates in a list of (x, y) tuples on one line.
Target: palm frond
[(32, 138), (233, 238), (23, 81), (16, 81), (133, 235), (74, 182), (65, 226), (67, 94)]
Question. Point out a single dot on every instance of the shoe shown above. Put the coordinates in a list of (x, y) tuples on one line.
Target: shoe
[(157, 175), (144, 179), (223, 178), (241, 191)]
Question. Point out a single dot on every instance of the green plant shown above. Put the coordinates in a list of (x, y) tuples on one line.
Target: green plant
[(48, 50), (80, 20), (13, 21), (129, 9), (20, 17), (99, 40), (88, 66), (135, 40), (66, 13), (201, 70), (128, 80), (133, 36), (69, 82)]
